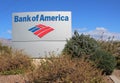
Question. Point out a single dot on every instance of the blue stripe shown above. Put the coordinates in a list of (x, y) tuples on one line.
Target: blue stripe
[(35, 29), (32, 28)]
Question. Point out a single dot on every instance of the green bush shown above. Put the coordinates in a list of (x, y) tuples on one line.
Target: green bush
[(112, 47), (118, 62), (80, 45), (104, 61), (84, 45)]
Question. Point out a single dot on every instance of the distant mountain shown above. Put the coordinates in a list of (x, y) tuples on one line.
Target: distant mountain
[(7, 42)]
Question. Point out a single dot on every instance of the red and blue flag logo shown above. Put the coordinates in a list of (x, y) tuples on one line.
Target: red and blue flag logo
[(41, 30)]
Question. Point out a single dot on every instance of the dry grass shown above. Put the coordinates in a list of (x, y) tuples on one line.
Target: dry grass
[(66, 70), (13, 62), (111, 46), (62, 69)]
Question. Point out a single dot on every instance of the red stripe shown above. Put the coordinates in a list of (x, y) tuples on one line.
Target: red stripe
[(39, 31), (40, 26), (45, 32)]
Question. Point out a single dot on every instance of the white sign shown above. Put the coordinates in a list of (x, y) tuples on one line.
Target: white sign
[(39, 33)]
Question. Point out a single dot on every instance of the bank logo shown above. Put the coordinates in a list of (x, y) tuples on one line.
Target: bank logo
[(41, 30)]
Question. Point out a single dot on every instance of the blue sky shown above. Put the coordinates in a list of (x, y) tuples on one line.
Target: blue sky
[(88, 16)]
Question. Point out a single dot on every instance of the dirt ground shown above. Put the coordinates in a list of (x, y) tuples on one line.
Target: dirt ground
[(13, 79), (23, 79), (116, 73), (108, 80)]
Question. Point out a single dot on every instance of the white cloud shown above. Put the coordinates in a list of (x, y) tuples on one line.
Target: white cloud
[(9, 31), (101, 29), (102, 33)]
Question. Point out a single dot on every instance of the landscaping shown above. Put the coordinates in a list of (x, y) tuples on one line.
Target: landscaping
[(83, 60)]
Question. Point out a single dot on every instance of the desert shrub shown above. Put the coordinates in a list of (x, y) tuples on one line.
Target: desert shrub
[(112, 47), (116, 52), (118, 62), (66, 70), (80, 45), (5, 49), (84, 45), (13, 62), (104, 61)]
